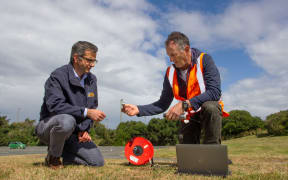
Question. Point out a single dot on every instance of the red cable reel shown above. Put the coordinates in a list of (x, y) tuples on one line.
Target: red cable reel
[(139, 151)]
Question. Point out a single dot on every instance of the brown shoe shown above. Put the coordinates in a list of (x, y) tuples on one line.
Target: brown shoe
[(53, 162)]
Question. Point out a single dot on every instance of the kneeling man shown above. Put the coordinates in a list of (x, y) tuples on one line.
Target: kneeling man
[(69, 109)]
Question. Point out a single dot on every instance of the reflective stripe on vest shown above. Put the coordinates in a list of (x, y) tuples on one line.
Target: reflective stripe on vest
[(200, 77)]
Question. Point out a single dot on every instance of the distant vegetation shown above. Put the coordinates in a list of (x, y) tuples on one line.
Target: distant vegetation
[(17, 131), (277, 124), (240, 123), (159, 131)]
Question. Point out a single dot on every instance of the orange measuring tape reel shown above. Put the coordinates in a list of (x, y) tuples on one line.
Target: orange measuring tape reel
[(139, 151)]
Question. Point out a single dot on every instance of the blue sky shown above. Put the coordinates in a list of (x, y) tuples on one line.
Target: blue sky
[(229, 57), (208, 6), (247, 40), (238, 64)]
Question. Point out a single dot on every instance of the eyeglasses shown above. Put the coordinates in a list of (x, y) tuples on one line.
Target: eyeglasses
[(91, 61)]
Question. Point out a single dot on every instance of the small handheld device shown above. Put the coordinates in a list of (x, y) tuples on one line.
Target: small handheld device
[(122, 103), (183, 118)]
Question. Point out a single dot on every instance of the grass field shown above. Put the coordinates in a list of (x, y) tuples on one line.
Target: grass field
[(253, 158)]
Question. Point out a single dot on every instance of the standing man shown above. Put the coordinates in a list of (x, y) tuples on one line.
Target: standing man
[(69, 109), (194, 80)]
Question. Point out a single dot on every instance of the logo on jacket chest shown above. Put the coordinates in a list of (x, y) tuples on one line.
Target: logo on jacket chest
[(91, 94)]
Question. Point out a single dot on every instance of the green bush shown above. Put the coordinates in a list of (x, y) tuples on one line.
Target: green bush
[(127, 130), (24, 132), (239, 123), (277, 124), (162, 132), (108, 138), (4, 130)]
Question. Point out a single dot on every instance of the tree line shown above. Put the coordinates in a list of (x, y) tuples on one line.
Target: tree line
[(159, 131)]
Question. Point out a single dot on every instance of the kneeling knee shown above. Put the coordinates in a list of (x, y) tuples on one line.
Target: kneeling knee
[(68, 122), (210, 107), (97, 162)]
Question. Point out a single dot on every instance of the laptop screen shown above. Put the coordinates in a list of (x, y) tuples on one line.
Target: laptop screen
[(205, 159)]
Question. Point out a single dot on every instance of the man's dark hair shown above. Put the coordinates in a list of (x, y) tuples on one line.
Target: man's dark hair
[(179, 38), (80, 47)]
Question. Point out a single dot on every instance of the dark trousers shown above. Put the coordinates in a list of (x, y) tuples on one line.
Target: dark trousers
[(84, 153), (208, 120), (57, 131)]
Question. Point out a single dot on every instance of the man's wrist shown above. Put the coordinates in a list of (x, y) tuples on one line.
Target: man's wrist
[(185, 105)]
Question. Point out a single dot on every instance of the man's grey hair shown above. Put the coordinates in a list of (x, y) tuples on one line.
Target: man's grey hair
[(179, 38), (80, 47)]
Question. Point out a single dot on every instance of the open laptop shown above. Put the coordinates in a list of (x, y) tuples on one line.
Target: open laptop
[(204, 159)]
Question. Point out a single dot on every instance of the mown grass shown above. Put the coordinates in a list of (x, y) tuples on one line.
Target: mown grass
[(253, 158)]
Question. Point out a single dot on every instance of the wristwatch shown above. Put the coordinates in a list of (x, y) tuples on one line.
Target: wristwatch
[(185, 105)]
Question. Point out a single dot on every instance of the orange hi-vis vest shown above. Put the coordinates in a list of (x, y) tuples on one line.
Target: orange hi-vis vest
[(195, 84)]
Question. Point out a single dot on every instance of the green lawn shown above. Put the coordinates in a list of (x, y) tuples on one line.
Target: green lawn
[(253, 158)]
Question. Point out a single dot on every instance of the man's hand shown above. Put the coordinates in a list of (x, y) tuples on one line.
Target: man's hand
[(175, 111), (84, 136), (95, 114), (130, 109)]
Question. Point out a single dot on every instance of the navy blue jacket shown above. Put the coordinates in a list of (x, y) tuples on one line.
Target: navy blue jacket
[(65, 95), (211, 80)]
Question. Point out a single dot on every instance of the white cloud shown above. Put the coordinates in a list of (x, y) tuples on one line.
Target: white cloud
[(261, 96), (261, 29), (37, 36), (223, 72), (271, 53)]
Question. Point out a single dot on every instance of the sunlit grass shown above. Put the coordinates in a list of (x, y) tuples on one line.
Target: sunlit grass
[(253, 158)]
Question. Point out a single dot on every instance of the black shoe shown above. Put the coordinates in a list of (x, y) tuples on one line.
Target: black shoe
[(53, 162), (230, 161)]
